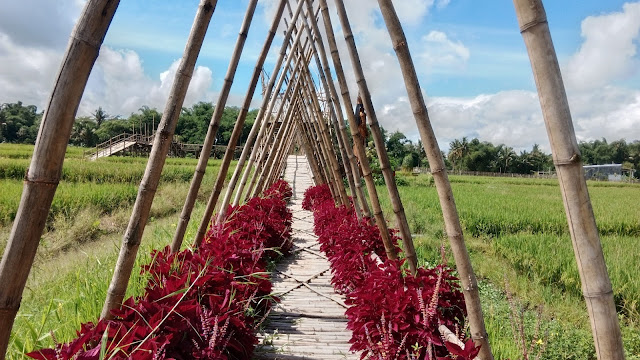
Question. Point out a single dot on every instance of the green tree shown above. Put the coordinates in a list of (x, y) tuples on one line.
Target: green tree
[(194, 122), (19, 123), (83, 132), (506, 156), (100, 116), (458, 149)]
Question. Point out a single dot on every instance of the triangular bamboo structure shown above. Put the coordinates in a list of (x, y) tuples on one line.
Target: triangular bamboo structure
[(301, 108)]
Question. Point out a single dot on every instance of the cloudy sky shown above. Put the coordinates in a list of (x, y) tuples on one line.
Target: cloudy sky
[(470, 57)]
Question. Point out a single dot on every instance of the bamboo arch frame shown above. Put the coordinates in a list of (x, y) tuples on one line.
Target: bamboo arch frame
[(303, 123)]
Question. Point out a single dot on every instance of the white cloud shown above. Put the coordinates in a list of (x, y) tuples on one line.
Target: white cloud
[(119, 84), (609, 50), (35, 23), (27, 73), (440, 54), (442, 3)]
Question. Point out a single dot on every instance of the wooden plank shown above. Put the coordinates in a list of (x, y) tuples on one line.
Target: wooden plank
[(309, 322)]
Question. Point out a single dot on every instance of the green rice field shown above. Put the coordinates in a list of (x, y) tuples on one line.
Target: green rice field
[(517, 234)]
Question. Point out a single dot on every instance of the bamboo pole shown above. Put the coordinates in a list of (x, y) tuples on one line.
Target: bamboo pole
[(258, 159), (357, 139), (443, 187), (596, 286), (257, 128), (385, 166), (212, 131), (350, 162), (308, 114), (256, 185), (314, 107), (44, 172), (161, 145), (276, 148)]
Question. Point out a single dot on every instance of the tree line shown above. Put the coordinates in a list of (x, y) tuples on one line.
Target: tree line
[(483, 156), (19, 124)]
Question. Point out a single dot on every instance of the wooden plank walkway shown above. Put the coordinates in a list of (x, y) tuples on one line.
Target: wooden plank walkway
[(309, 323)]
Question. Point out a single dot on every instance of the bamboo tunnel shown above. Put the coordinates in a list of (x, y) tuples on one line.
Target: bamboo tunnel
[(385, 166), (302, 108), (265, 160), (238, 126), (314, 108), (313, 164), (277, 144), (349, 159), (332, 115), (310, 13), (212, 131), (596, 285), (206, 218), (308, 114), (357, 139), (443, 187), (41, 180), (159, 151), (258, 128), (273, 170)]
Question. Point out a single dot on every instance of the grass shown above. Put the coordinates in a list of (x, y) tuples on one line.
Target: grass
[(516, 230), (69, 290), (79, 248)]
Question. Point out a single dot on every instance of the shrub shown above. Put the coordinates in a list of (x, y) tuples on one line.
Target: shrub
[(201, 304), (392, 313)]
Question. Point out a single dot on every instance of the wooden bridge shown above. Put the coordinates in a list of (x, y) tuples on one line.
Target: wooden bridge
[(309, 322), (141, 144)]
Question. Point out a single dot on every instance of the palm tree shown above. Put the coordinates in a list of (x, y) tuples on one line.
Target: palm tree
[(100, 116), (505, 156), (458, 149)]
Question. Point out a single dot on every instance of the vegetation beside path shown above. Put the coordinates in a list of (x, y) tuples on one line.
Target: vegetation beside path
[(78, 250), (517, 234)]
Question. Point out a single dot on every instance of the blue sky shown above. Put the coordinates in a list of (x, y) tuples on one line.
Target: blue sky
[(470, 57)]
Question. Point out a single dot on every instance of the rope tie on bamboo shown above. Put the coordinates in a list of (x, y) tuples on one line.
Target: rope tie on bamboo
[(41, 182), (479, 337), (597, 294), (399, 45), (575, 158), (533, 23), (93, 43), (187, 74), (9, 311)]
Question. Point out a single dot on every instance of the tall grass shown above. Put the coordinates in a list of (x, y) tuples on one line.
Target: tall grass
[(77, 253), (70, 291), (516, 228)]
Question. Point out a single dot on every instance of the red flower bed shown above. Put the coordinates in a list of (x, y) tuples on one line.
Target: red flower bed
[(392, 314), (203, 304)]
